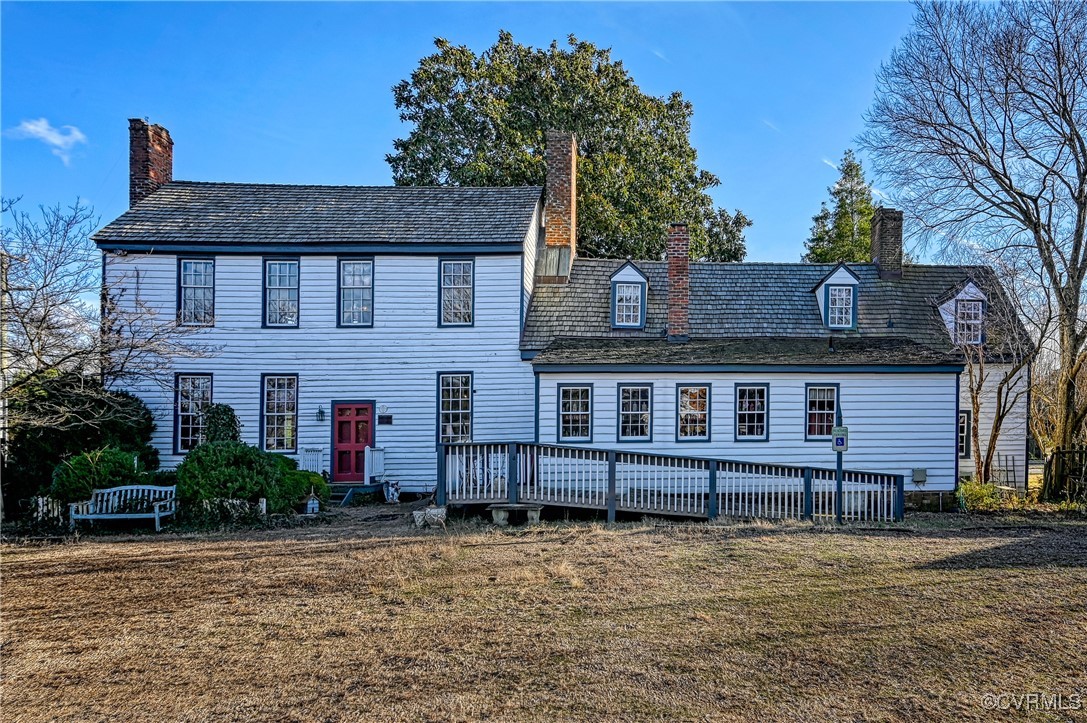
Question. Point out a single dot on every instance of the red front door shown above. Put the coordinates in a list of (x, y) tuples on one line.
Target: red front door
[(352, 433)]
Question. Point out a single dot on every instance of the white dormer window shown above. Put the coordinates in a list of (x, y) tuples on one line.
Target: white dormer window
[(840, 307), (968, 321), (628, 297), (628, 304)]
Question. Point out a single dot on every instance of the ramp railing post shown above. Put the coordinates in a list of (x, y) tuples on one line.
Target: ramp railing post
[(900, 497), (511, 473), (611, 486), (711, 511), (809, 499), (439, 490)]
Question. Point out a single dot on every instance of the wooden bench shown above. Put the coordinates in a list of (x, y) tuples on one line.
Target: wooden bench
[(500, 513), (133, 502)]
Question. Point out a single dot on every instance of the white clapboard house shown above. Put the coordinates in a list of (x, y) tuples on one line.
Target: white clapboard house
[(401, 318)]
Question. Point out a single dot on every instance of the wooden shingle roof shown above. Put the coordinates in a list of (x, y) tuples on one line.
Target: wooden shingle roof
[(239, 215)]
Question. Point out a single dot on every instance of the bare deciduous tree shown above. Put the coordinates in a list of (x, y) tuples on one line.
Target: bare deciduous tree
[(979, 125), (58, 319)]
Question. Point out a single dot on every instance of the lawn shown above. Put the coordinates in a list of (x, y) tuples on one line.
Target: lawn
[(368, 619)]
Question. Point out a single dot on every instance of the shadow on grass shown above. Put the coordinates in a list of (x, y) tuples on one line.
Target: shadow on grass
[(1058, 548)]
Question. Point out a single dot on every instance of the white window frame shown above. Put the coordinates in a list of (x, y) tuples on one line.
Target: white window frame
[(188, 290), (809, 411), (840, 316), (190, 403), (455, 411), (688, 418), (456, 280), (752, 411), (628, 416), (278, 285), (279, 413), (969, 327), (628, 304), (575, 413), (356, 312)]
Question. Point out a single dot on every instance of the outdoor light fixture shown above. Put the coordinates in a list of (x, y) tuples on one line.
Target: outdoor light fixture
[(320, 413)]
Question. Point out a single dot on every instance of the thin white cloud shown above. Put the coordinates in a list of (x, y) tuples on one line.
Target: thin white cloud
[(771, 126), (831, 164), (660, 55), (61, 140), (880, 193)]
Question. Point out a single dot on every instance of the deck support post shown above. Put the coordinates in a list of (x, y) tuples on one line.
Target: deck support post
[(711, 508), (512, 486), (900, 498), (611, 486), (809, 498), (439, 489)]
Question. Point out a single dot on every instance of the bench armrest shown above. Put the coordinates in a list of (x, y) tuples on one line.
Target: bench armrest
[(80, 508), (169, 505)]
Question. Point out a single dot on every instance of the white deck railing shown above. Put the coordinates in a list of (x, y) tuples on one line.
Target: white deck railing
[(661, 484)]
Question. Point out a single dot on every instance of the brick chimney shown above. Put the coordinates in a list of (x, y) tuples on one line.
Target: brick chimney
[(560, 208), (887, 242), (150, 159), (679, 291)]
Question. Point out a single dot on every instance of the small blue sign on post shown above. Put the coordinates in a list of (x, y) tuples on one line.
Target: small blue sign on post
[(840, 439)]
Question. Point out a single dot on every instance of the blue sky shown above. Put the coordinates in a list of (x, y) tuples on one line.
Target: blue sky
[(301, 93)]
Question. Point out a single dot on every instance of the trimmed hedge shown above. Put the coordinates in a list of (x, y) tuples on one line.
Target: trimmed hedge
[(74, 479), (233, 470)]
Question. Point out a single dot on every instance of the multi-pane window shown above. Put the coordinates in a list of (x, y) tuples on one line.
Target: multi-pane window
[(455, 408), (196, 297), (822, 406), (457, 293), (968, 322), (280, 421), (628, 304), (840, 306), (281, 292), (575, 414), (635, 412), (193, 398), (693, 409), (964, 434), (356, 293), (751, 412)]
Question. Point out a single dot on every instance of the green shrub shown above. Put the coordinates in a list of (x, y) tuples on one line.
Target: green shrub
[(98, 419), (298, 483), (74, 479), (221, 424), (978, 497), (231, 470)]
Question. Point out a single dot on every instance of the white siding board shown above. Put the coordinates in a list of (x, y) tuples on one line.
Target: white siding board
[(1011, 445), (897, 422), (395, 363)]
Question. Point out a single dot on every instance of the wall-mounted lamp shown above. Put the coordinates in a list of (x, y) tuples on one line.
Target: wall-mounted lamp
[(320, 414)]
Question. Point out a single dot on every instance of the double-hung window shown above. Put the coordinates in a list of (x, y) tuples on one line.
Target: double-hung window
[(752, 412), (193, 395), (628, 304), (454, 408), (575, 413), (968, 322), (457, 292), (281, 292), (196, 292), (635, 413), (964, 435), (693, 410), (356, 293), (279, 417), (840, 307), (822, 408)]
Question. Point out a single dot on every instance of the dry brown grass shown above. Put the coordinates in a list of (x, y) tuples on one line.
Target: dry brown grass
[(375, 621)]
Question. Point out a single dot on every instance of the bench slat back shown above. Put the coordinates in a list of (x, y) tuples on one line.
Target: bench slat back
[(126, 498)]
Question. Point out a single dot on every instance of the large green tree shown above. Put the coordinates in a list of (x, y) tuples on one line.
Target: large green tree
[(842, 231), (480, 120)]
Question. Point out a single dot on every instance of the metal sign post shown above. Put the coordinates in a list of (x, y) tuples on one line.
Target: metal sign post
[(839, 441)]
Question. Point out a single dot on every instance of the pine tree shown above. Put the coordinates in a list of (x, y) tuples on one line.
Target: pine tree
[(843, 232)]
